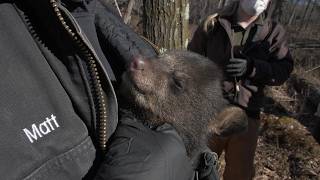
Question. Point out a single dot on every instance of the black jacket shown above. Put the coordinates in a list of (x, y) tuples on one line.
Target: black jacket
[(265, 46), (48, 89)]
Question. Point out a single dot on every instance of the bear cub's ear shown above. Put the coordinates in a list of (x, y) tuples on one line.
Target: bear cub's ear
[(231, 120)]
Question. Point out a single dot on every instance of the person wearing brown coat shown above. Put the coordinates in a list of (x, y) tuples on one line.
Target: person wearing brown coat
[(251, 48)]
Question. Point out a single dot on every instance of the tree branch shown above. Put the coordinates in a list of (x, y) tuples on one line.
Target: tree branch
[(127, 16)]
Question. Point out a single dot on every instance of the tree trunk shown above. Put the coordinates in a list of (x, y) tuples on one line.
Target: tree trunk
[(221, 4), (305, 14), (166, 23), (278, 10), (201, 9), (310, 14), (293, 14)]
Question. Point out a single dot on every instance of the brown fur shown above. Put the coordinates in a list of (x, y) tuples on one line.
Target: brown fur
[(180, 88)]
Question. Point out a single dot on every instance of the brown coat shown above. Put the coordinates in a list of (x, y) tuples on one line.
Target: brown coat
[(266, 46)]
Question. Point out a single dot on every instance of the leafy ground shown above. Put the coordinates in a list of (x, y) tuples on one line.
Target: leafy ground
[(286, 147), (286, 150)]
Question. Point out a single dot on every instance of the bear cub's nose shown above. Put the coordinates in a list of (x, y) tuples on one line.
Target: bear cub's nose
[(137, 64)]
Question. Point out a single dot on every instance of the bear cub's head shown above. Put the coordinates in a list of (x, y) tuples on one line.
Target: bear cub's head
[(180, 88)]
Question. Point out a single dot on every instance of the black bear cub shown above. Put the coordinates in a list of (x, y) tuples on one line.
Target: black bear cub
[(180, 88)]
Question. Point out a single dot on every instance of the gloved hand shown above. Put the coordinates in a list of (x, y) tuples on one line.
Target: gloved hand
[(137, 152), (207, 169), (239, 67)]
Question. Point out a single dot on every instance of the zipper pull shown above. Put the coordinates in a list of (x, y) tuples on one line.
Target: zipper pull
[(237, 89)]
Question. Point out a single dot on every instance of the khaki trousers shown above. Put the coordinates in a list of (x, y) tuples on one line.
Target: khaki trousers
[(239, 152)]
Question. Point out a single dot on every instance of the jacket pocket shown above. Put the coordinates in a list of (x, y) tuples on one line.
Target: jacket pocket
[(73, 164)]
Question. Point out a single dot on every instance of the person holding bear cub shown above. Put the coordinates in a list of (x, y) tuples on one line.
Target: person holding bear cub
[(252, 50)]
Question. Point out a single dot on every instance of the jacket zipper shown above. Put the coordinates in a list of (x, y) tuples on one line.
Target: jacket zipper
[(95, 80)]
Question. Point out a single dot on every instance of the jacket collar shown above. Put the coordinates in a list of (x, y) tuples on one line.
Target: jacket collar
[(226, 17)]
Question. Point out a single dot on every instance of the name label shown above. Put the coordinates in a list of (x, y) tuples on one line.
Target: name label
[(38, 131)]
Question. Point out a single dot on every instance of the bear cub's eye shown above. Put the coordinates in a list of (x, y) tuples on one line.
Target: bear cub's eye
[(179, 80), (178, 83)]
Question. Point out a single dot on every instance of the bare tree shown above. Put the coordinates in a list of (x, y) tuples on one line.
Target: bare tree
[(221, 3), (310, 14), (293, 13), (127, 16), (166, 22), (278, 11), (305, 14), (201, 9)]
